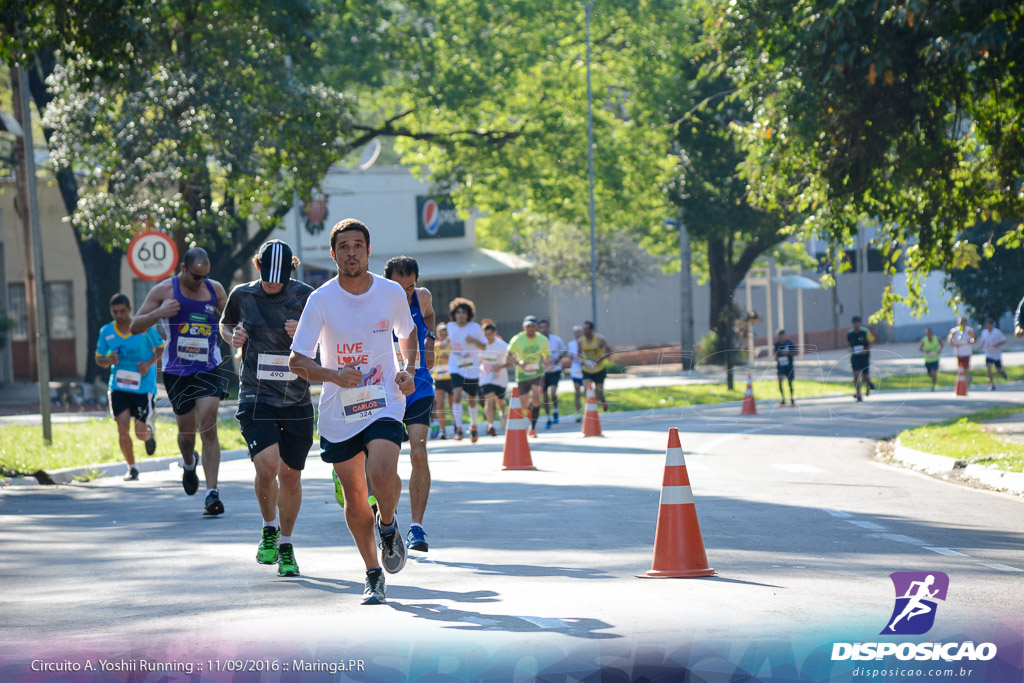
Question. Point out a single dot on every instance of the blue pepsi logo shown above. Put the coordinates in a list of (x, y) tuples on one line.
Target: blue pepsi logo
[(431, 217)]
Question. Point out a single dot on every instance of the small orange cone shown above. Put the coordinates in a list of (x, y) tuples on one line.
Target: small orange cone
[(678, 545), (516, 453), (591, 416), (749, 408), (961, 382)]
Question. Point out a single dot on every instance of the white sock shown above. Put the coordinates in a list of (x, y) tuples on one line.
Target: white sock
[(472, 415), (195, 461), (272, 523), (415, 524), (281, 540), (213, 491), (457, 416)]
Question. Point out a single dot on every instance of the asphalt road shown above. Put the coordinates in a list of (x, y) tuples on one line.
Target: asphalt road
[(530, 570)]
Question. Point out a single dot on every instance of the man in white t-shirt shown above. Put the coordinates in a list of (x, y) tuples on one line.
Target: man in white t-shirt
[(992, 340), (961, 338), (494, 377), (351, 319), (467, 341), (553, 372), (576, 369)]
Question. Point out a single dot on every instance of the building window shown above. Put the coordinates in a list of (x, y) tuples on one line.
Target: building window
[(140, 288), (60, 310), (17, 311)]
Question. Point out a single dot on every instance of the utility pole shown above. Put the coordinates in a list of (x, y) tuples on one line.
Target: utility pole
[(589, 6), (33, 246)]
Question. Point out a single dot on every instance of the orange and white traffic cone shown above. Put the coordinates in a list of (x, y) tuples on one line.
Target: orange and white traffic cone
[(591, 416), (749, 407), (678, 545), (961, 382), (516, 454)]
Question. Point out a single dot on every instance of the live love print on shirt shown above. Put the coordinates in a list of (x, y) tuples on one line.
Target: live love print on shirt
[(356, 328)]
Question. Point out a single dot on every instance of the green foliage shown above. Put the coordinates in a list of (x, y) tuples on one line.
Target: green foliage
[(992, 287), (904, 114)]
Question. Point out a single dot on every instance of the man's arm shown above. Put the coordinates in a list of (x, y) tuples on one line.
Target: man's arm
[(159, 304), (408, 346), (222, 296), (1018, 327), (348, 377), (427, 309)]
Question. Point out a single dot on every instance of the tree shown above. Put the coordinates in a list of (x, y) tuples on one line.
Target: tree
[(994, 288), (903, 114)]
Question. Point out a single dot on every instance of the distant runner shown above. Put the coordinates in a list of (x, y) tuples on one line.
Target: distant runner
[(494, 377), (931, 346), (132, 386), (596, 355), (529, 353), (962, 338), (442, 379), (553, 372), (860, 340), (992, 340), (467, 339), (576, 369), (785, 351)]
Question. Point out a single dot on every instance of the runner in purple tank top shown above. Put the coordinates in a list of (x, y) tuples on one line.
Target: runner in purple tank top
[(192, 305)]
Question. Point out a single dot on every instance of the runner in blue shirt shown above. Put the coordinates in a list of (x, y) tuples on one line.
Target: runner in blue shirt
[(785, 350), (131, 359)]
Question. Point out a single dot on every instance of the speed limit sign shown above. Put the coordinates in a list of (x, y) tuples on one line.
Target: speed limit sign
[(152, 255)]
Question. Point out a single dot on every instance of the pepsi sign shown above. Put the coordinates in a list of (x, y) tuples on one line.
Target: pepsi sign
[(437, 218)]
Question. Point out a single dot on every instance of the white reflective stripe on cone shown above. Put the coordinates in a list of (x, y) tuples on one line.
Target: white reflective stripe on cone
[(676, 495), (674, 457), (514, 404), (516, 424)]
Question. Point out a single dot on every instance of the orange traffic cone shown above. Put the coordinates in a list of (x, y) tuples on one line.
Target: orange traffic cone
[(678, 545), (749, 408), (961, 382), (516, 453), (591, 416)]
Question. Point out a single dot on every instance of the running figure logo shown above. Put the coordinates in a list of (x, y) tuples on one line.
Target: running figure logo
[(916, 595)]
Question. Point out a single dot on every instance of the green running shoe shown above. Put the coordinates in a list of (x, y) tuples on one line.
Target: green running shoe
[(339, 495), (267, 552), (286, 564)]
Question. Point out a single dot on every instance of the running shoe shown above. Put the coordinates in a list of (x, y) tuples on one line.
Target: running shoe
[(605, 406), (547, 425), (458, 435), (434, 431), (190, 480), (473, 434), (286, 564), (992, 387), (339, 494), (556, 418), (392, 554), (266, 553), (533, 432), (151, 441), (442, 436), (213, 504), (417, 539), (374, 590), (859, 399), (132, 475), (491, 431), (579, 418)]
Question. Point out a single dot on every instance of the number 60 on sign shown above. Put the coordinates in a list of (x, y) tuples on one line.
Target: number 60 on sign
[(152, 255)]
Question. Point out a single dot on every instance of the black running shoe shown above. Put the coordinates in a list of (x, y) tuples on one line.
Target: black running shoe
[(374, 590), (213, 504), (190, 479), (392, 549), (151, 442), (133, 475)]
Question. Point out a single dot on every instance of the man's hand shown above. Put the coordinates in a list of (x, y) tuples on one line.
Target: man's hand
[(112, 357), (406, 383), (145, 365), (169, 308), (239, 337), (349, 376), (290, 326), (1018, 331)]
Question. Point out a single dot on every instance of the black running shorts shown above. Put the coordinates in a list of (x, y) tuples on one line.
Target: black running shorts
[(470, 386), (139, 406), (385, 428), (183, 390), (418, 412), (290, 427)]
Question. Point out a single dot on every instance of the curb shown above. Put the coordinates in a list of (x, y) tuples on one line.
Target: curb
[(1001, 480), (68, 475)]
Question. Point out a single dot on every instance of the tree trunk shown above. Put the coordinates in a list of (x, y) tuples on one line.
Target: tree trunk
[(99, 263), (722, 314)]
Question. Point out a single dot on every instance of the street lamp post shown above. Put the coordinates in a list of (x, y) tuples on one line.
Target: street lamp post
[(589, 6), (686, 292)]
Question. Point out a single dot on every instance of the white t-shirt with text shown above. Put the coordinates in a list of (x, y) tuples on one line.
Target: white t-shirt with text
[(356, 328), (989, 339), (465, 358), (496, 354), (962, 340), (558, 351), (575, 369)]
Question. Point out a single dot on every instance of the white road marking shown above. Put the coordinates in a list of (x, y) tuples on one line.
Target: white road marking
[(837, 513), (866, 525), (946, 551), (897, 538), (1002, 567)]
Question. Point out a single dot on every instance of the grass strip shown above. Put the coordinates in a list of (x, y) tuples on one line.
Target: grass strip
[(965, 438)]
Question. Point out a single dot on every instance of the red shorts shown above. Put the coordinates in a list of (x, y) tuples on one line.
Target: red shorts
[(964, 362)]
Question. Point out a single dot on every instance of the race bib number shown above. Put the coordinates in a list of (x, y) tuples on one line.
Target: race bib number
[(491, 358), (273, 368), (531, 368), (127, 380), (464, 361), (362, 403), (194, 349), (783, 360), (589, 364), (858, 348)]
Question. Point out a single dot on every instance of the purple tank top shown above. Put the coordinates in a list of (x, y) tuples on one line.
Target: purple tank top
[(192, 346)]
